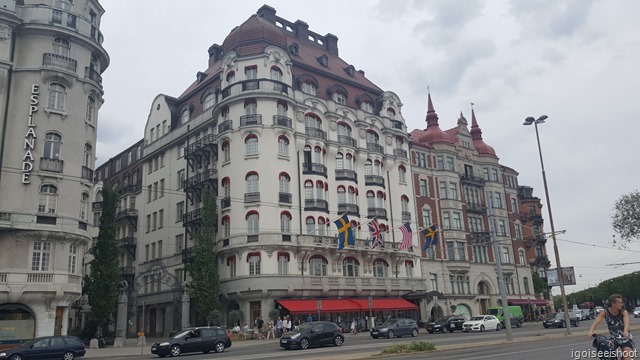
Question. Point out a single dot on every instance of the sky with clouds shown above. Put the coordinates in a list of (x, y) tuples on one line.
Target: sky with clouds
[(577, 61)]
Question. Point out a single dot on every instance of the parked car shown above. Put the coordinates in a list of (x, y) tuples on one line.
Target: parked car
[(482, 323), (49, 347), (636, 312), (315, 333), (395, 327), (515, 312), (557, 320), (576, 313), (200, 339), (588, 314), (598, 309), (450, 324)]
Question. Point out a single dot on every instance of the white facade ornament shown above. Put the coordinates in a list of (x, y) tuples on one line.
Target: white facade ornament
[(5, 33), (362, 133), (300, 116), (389, 140), (333, 125)]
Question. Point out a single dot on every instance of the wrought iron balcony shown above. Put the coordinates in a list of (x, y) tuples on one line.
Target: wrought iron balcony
[(315, 133), (59, 62), (87, 173), (480, 236), (284, 198), (314, 169), (476, 208), (130, 189), (128, 241), (191, 216), (250, 85), (226, 125), (127, 271), (316, 205), (52, 165), (350, 209), (542, 260), (379, 213), (281, 120), (374, 180), (345, 174), (93, 75), (347, 141), (200, 178), (401, 153), (534, 217), (225, 202), (130, 213), (472, 180), (188, 255), (251, 120), (252, 238), (375, 148), (253, 197)]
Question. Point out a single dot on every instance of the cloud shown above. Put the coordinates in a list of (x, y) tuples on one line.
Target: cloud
[(551, 19)]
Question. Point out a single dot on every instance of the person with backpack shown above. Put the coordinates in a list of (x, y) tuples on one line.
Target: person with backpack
[(617, 319)]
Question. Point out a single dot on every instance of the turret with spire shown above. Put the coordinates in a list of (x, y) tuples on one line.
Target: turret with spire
[(433, 133), (476, 135)]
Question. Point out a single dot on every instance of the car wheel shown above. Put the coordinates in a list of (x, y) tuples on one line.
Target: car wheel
[(174, 350), (414, 332), (17, 357), (374, 336), (68, 356), (391, 334), (498, 327), (304, 344), (450, 330), (219, 347), (338, 340), (481, 328)]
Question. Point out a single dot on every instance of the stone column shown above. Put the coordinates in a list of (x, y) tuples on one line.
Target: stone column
[(185, 310), (168, 320), (121, 320), (65, 321)]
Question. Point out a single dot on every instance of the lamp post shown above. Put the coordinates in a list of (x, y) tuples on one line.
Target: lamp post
[(528, 121)]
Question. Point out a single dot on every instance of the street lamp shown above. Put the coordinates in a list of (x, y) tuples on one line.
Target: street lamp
[(528, 121)]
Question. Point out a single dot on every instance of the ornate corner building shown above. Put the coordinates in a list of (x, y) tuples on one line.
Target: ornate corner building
[(51, 58)]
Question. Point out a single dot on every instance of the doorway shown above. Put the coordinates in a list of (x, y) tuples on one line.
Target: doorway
[(256, 311), (57, 331)]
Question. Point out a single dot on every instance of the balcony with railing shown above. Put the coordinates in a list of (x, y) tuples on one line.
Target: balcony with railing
[(476, 208), (349, 209), (251, 120), (188, 255), (315, 133), (347, 141), (52, 165), (377, 148), (91, 74), (199, 180), (55, 61), (541, 260), (374, 180), (225, 126), (250, 85), (314, 169), (130, 213), (130, 189), (127, 271), (192, 216), (379, 213), (281, 120), (534, 217), (284, 198), (401, 153), (480, 236), (347, 175), (472, 180), (251, 198), (87, 173), (128, 241), (264, 85), (316, 205)]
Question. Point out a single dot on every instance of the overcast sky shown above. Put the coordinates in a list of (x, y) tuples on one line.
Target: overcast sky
[(577, 61)]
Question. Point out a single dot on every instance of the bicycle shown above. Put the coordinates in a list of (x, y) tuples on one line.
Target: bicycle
[(607, 347)]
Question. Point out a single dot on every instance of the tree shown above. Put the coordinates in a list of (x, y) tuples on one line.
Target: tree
[(626, 218), (102, 285), (204, 287), (539, 284)]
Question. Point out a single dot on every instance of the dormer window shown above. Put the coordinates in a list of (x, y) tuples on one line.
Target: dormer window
[(231, 77), (391, 113), (340, 97), (350, 70), (366, 106), (323, 60), (294, 48), (184, 116), (308, 87)]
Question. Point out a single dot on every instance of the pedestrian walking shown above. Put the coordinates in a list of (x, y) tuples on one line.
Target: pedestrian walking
[(353, 327), (309, 318), (279, 324), (270, 330)]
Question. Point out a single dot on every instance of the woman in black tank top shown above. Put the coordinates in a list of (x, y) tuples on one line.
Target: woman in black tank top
[(617, 319)]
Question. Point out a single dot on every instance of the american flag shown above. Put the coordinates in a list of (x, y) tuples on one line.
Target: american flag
[(376, 234), (406, 236)]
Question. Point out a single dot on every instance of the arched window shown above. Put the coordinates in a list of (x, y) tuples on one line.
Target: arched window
[(276, 74), (61, 46), (380, 268), (368, 168), (371, 199), (52, 146), (377, 167), (391, 113), (231, 263), (125, 182), (84, 206), (312, 121), (88, 156), (254, 263), (402, 174), (231, 77), (350, 267), (408, 267), (525, 282), (281, 109), (226, 227), (404, 203), (311, 225), (339, 97), (285, 222), (250, 107), (521, 257), (339, 161), (251, 145), (91, 110), (318, 266), (284, 182), (57, 96), (48, 199), (184, 116), (308, 87), (226, 152), (381, 198), (253, 223), (321, 227), (208, 101), (366, 106), (344, 129), (426, 217), (372, 137), (342, 195), (308, 190), (283, 263), (352, 195), (283, 146), (318, 155), (252, 183), (134, 178), (349, 162)]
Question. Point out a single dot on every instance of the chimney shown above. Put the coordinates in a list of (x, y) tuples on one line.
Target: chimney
[(331, 42), (214, 54), (268, 13), (302, 30)]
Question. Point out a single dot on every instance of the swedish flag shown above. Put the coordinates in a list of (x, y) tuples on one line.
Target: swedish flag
[(345, 233), (430, 236)]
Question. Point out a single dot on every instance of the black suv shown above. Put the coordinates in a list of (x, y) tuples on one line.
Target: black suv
[(316, 333), (395, 327), (200, 339), (450, 324)]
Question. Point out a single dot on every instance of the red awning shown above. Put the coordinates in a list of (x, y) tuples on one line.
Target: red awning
[(345, 305), (528, 301)]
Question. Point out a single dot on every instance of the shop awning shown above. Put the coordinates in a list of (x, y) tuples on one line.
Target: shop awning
[(345, 305), (528, 301)]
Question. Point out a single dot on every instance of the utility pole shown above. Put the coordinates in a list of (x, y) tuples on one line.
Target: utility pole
[(498, 259)]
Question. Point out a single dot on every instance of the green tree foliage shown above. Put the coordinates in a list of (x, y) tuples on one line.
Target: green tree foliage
[(204, 287), (626, 218), (235, 317), (539, 284), (102, 285), (625, 285)]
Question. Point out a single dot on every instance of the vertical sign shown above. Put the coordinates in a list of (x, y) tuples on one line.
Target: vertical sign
[(30, 136)]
